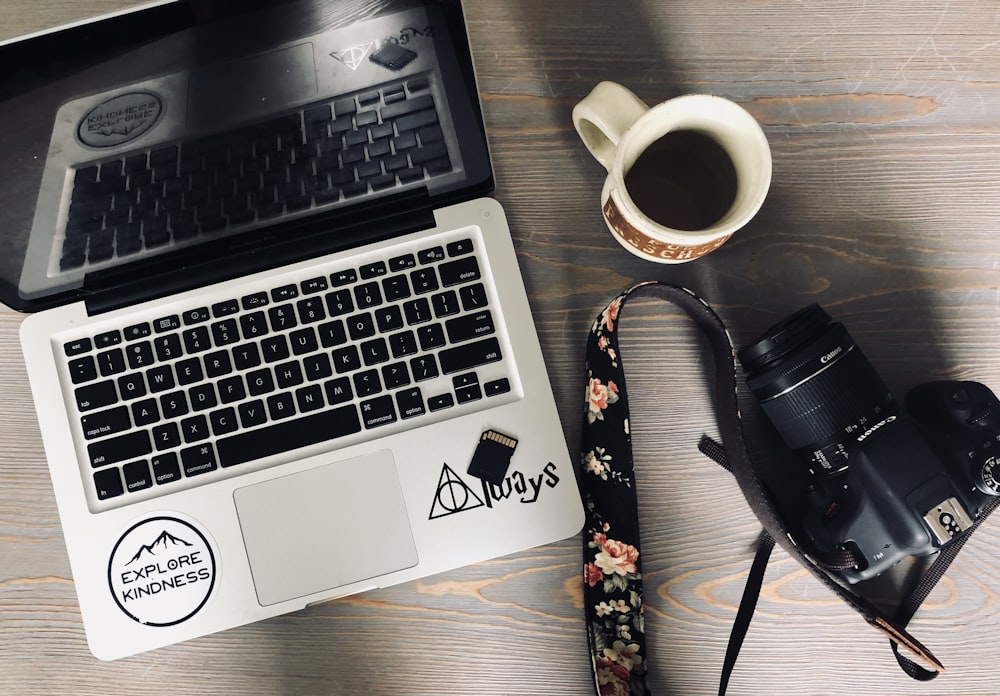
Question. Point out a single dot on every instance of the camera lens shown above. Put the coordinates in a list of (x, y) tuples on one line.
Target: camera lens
[(816, 386)]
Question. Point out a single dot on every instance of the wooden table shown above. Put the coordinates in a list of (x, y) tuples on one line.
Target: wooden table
[(884, 207)]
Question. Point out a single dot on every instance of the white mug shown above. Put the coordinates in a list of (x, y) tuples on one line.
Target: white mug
[(683, 176)]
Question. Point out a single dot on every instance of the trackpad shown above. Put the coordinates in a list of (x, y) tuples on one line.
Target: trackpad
[(326, 527)]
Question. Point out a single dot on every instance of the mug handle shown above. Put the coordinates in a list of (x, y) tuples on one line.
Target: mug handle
[(603, 117)]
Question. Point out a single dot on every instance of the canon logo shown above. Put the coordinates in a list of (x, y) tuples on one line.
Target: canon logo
[(867, 433), (831, 355)]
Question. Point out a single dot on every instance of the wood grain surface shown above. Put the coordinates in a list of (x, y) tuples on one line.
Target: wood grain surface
[(884, 123)]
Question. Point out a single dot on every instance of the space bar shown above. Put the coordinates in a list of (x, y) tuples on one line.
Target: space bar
[(288, 435)]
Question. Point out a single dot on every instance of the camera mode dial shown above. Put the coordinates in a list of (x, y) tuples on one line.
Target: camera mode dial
[(987, 481)]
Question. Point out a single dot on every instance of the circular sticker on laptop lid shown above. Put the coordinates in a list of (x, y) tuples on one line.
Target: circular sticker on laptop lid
[(163, 570), (120, 119)]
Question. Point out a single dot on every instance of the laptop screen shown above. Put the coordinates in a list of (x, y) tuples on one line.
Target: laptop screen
[(188, 141)]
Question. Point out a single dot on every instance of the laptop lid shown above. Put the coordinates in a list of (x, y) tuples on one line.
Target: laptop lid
[(82, 99)]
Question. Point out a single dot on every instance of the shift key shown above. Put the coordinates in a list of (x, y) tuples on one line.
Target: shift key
[(470, 355), (118, 449)]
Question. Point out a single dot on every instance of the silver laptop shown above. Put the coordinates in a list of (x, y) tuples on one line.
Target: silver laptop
[(280, 348)]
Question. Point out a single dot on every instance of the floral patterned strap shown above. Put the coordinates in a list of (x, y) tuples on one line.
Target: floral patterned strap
[(612, 571)]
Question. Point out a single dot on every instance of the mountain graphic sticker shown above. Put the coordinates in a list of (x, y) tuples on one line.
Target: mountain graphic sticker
[(120, 119), (162, 571)]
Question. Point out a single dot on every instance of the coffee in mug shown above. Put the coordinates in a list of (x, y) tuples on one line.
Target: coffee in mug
[(682, 176)]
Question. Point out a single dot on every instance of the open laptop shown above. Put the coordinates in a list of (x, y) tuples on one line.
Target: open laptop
[(280, 347)]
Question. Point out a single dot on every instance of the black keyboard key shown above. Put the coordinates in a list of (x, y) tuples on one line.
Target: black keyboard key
[(218, 364), (361, 326), (223, 421), (430, 336), (395, 375), (137, 476), (288, 375), (131, 386), (165, 468), (338, 390), (469, 355), (378, 411), (310, 310), (108, 339), (160, 378), (459, 248), (463, 270), (346, 359), (423, 367), (417, 311), (232, 390), (168, 347), (274, 348), (108, 483), (497, 386), (194, 429), (97, 395), (198, 460), (81, 345), (246, 356), (82, 369), (189, 371), (257, 299), (445, 304), (287, 435), (260, 382), (224, 309), (137, 331), (339, 302), (167, 323), (431, 255), (145, 412), (473, 297), (439, 402), (119, 449), (303, 341), (252, 413), (196, 316), (104, 423), (202, 397), (470, 326), (410, 403), (309, 398), (196, 340), (281, 405), (424, 101), (139, 355), (424, 280), (111, 362), (368, 295), (416, 121), (253, 325), (225, 332), (166, 436), (317, 367), (174, 404)]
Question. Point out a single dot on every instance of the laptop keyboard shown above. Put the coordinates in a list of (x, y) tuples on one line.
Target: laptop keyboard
[(334, 354), (324, 154)]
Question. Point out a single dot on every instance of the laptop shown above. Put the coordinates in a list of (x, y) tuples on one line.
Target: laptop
[(279, 343)]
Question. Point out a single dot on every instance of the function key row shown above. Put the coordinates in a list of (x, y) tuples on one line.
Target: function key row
[(227, 308)]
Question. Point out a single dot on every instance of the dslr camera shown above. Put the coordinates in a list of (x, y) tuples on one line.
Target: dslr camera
[(882, 484)]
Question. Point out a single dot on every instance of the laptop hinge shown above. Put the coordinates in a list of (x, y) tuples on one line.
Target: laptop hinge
[(241, 256)]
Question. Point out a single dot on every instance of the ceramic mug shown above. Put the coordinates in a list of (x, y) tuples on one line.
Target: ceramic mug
[(683, 176)]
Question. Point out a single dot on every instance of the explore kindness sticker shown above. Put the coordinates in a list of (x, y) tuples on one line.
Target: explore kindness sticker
[(162, 571), (120, 119)]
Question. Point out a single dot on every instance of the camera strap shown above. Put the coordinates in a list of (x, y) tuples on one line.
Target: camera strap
[(612, 561)]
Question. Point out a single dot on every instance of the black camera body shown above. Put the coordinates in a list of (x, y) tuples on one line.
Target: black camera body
[(883, 485)]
